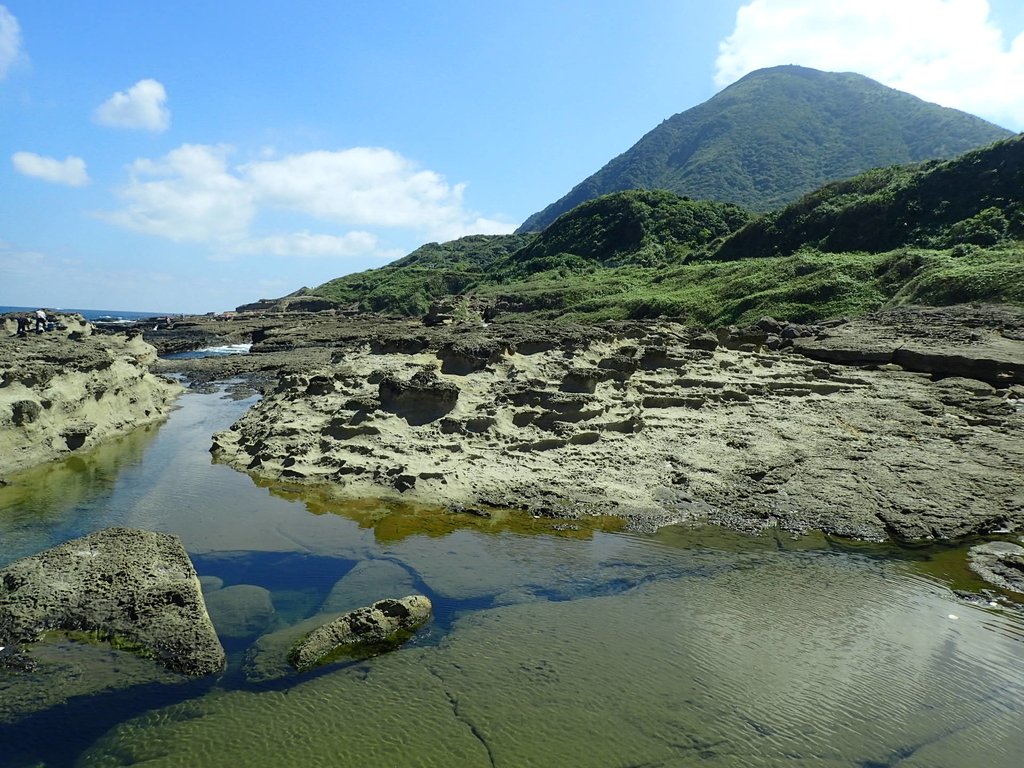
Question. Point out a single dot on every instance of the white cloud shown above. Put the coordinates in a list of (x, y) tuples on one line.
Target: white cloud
[(70, 171), (141, 106), (193, 195), (10, 41), (946, 51), (187, 196), (364, 186)]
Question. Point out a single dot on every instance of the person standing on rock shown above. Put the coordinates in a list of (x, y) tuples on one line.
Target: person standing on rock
[(40, 320)]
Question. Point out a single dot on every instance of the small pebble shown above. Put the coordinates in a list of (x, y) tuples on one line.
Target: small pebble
[(953, 616)]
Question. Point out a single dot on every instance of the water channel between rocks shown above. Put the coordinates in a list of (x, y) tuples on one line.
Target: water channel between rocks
[(549, 647)]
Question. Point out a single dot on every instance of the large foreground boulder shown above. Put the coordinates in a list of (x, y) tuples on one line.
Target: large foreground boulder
[(136, 589), (364, 632)]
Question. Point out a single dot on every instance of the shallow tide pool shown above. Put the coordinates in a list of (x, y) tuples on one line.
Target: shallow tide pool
[(549, 646)]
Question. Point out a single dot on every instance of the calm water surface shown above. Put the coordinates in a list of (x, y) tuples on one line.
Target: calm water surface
[(548, 647)]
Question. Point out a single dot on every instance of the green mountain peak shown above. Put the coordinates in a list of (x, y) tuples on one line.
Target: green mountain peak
[(777, 134)]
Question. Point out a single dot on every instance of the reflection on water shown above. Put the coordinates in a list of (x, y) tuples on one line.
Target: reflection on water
[(393, 520), (54, 502), (549, 647)]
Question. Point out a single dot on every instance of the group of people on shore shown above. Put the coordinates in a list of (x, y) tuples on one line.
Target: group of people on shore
[(42, 322)]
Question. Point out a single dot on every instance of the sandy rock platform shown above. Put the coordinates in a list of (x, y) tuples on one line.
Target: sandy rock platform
[(65, 390), (656, 424)]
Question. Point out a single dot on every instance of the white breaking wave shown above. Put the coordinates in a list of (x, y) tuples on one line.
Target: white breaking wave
[(227, 349), (221, 351)]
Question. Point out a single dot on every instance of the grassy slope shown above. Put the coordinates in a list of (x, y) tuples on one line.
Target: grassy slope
[(805, 286), (975, 199), (409, 285)]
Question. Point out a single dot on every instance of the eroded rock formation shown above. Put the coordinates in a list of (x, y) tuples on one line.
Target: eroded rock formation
[(657, 423), (65, 390), (136, 589), (364, 631)]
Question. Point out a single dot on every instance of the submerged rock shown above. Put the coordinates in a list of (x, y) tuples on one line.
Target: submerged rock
[(135, 589), (367, 581), (364, 632), (241, 610)]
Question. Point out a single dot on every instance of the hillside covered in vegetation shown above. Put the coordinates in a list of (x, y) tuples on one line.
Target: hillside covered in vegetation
[(434, 270), (630, 229), (777, 134), (934, 233)]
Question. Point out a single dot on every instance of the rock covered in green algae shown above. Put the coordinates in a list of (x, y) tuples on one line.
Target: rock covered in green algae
[(267, 660), (137, 589), (364, 631)]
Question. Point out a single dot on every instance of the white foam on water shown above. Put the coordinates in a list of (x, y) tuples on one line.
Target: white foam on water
[(227, 349), (218, 351)]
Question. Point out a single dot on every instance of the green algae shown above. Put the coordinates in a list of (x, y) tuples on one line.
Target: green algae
[(102, 637)]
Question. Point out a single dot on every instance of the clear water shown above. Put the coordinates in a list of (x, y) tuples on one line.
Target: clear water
[(548, 648)]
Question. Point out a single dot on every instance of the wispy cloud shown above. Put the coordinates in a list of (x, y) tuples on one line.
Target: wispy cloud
[(946, 51), (70, 171), (193, 194), (308, 244), (10, 41), (143, 106)]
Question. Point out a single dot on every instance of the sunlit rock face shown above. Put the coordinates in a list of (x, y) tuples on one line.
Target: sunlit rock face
[(136, 589), (907, 424), (66, 390)]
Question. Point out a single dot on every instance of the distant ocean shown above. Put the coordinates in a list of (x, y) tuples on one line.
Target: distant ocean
[(106, 315)]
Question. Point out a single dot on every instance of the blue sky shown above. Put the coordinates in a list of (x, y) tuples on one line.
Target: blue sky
[(193, 156)]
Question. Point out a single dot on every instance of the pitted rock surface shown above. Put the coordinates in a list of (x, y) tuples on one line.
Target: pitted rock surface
[(68, 389), (638, 421), (377, 627), (137, 588)]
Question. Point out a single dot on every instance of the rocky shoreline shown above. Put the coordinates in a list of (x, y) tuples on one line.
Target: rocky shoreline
[(906, 424), (67, 389)]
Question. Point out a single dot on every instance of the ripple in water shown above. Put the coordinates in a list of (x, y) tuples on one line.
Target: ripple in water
[(692, 647)]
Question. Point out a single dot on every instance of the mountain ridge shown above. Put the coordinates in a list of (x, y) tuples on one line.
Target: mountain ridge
[(776, 134)]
